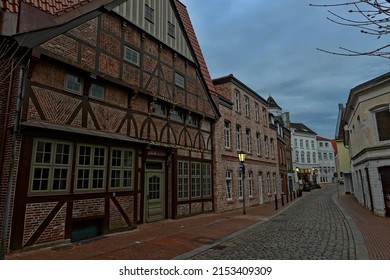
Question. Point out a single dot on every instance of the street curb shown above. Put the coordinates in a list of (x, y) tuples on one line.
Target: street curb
[(206, 247), (360, 245)]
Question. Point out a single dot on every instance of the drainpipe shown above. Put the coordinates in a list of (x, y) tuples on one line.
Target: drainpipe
[(7, 113), (19, 102)]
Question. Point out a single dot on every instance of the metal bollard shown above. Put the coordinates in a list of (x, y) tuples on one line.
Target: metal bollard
[(290, 196), (281, 195), (294, 194), (276, 202), (286, 198)]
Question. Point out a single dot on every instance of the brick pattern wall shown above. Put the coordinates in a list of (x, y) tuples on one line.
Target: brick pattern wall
[(88, 208), (36, 213), (116, 219)]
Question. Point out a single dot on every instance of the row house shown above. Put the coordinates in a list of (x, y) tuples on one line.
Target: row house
[(244, 126), (280, 121), (106, 119), (367, 136)]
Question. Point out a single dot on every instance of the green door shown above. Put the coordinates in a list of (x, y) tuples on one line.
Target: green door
[(154, 192)]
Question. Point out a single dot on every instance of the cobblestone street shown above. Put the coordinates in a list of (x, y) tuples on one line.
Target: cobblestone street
[(312, 229)]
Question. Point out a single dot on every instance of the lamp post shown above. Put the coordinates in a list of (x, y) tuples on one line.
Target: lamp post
[(298, 170), (241, 158)]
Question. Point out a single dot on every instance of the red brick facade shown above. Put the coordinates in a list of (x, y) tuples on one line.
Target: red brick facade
[(261, 166)]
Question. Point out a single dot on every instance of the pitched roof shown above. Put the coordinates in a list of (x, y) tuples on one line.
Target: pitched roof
[(320, 138), (300, 127), (53, 7), (272, 103), (185, 18)]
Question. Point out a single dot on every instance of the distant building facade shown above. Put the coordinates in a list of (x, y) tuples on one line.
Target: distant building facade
[(326, 161), (304, 150), (367, 136)]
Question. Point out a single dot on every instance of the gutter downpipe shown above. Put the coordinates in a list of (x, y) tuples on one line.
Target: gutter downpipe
[(15, 132)]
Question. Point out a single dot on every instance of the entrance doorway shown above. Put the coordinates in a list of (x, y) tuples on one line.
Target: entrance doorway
[(154, 191), (385, 178)]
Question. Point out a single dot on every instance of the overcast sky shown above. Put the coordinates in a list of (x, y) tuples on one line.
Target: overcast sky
[(271, 47)]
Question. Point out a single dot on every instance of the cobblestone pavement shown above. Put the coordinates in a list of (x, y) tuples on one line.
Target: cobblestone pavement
[(314, 228)]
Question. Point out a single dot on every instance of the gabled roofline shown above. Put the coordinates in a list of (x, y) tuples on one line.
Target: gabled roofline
[(232, 79)]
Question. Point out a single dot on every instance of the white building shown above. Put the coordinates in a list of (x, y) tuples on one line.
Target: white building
[(326, 160), (367, 135), (304, 150)]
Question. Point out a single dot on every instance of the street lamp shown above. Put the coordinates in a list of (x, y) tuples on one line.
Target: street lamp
[(241, 158)]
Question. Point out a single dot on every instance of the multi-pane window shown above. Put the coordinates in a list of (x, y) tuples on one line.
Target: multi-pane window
[(325, 156), (96, 91), (264, 112), (73, 83), (274, 182), (237, 100), (296, 142), (268, 182), (132, 56), (248, 140), (266, 149), (330, 156), (307, 144), (257, 112), (258, 144), (301, 143), (227, 134), (308, 158), (206, 179), (229, 191), (312, 144), (149, 13), (196, 176), (250, 183), (160, 109), (51, 166), (297, 156), (121, 169), (192, 120), (90, 168), (382, 119), (177, 115), (272, 144), (314, 158), (179, 80), (319, 156), (303, 157), (246, 106), (183, 180), (240, 184), (238, 137)]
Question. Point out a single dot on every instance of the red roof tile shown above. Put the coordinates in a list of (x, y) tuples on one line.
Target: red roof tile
[(185, 18), (53, 7)]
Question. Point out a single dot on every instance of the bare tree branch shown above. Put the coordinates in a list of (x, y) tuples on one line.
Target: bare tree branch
[(374, 20)]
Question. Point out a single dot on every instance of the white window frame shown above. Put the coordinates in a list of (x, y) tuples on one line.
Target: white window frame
[(132, 56), (229, 185), (51, 166), (71, 81), (125, 165), (90, 168), (183, 180), (238, 137), (246, 106), (248, 140), (227, 134), (92, 92), (237, 101)]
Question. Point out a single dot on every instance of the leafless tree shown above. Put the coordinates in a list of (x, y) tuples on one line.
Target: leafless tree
[(372, 17)]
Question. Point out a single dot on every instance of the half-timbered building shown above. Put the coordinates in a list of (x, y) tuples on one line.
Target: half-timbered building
[(106, 118)]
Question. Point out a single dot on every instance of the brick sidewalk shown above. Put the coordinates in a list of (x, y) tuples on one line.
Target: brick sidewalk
[(375, 229), (171, 238)]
